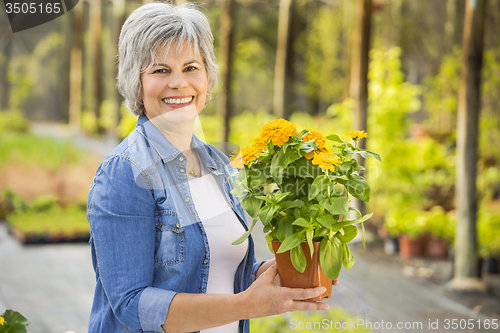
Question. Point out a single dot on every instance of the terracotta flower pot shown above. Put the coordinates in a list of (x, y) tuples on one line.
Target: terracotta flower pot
[(411, 247), (436, 248), (312, 277)]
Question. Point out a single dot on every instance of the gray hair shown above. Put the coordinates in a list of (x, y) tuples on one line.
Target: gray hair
[(154, 27)]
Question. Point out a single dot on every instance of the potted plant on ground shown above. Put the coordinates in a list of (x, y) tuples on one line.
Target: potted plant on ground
[(409, 226), (301, 193), (441, 225)]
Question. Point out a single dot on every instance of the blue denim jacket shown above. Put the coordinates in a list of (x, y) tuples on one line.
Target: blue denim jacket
[(147, 240)]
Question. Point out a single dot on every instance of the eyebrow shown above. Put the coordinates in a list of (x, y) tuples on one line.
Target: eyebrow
[(185, 64)]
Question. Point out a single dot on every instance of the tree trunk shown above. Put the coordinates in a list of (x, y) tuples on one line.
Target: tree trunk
[(5, 55), (467, 145), (96, 31), (226, 60), (119, 12), (76, 69), (283, 67), (359, 75)]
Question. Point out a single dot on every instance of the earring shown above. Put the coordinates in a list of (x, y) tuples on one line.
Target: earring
[(140, 110), (210, 94)]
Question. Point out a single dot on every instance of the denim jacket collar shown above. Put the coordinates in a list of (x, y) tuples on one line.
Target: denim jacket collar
[(166, 150)]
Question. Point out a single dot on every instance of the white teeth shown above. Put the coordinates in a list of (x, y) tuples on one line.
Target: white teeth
[(177, 100)]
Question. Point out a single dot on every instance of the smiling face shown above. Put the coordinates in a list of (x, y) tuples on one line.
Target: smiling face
[(174, 81)]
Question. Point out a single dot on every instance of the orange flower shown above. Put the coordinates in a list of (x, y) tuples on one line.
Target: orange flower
[(320, 143), (326, 160), (249, 154), (278, 131), (259, 143)]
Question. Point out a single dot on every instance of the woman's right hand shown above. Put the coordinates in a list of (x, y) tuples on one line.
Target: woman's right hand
[(265, 298)]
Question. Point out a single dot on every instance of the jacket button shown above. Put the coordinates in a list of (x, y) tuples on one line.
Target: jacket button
[(181, 158), (181, 170), (187, 199), (231, 202), (205, 261), (177, 225)]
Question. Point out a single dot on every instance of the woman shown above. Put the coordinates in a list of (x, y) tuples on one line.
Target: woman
[(162, 218)]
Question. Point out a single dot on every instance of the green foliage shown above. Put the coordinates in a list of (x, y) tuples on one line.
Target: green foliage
[(127, 123), (39, 150), (325, 49), (416, 222), (52, 220), (13, 121), (488, 229), (13, 322), (417, 173), (32, 75), (307, 322), (301, 193)]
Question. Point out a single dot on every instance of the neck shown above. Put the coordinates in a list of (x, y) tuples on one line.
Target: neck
[(177, 126), (179, 136)]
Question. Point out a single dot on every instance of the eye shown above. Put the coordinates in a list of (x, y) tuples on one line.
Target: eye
[(160, 71), (190, 68)]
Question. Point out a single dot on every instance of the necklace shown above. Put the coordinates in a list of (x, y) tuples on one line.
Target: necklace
[(193, 171)]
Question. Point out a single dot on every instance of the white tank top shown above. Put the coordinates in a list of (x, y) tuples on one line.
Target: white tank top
[(222, 227)]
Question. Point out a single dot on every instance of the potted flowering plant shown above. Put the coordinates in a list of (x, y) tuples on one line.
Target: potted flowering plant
[(301, 192)]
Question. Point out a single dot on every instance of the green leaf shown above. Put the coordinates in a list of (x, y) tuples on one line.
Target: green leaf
[(363, 153), (269, 240), (301, 222), (350, 232), (377, 156), (325, 220), (284, 228), (238, 188), (357, 211), (345, 168), (245, 235), (298, 258), (334, 137), (251, 205), (276, 170), (304, 168), (11, 317), (358, 187), (309, 238), (347, 258), (330, 257), (266, 213), (291, 204), (336, 205), (339, 225), (292, 241), (280, 196), (318, 185)]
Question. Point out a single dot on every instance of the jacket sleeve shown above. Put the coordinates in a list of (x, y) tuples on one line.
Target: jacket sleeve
[(121, 215)]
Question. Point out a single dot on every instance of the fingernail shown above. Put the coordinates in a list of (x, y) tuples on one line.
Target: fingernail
[(323, 289)]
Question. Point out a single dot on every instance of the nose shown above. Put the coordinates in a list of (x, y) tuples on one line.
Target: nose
[(177, 80)]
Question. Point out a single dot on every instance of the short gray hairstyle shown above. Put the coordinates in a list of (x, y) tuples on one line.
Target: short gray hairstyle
[(154, 27)]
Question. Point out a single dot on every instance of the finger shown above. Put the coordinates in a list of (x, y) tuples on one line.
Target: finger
[(307, 305), (277, 281), (270, 273), (335, 282), (300, 294)]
